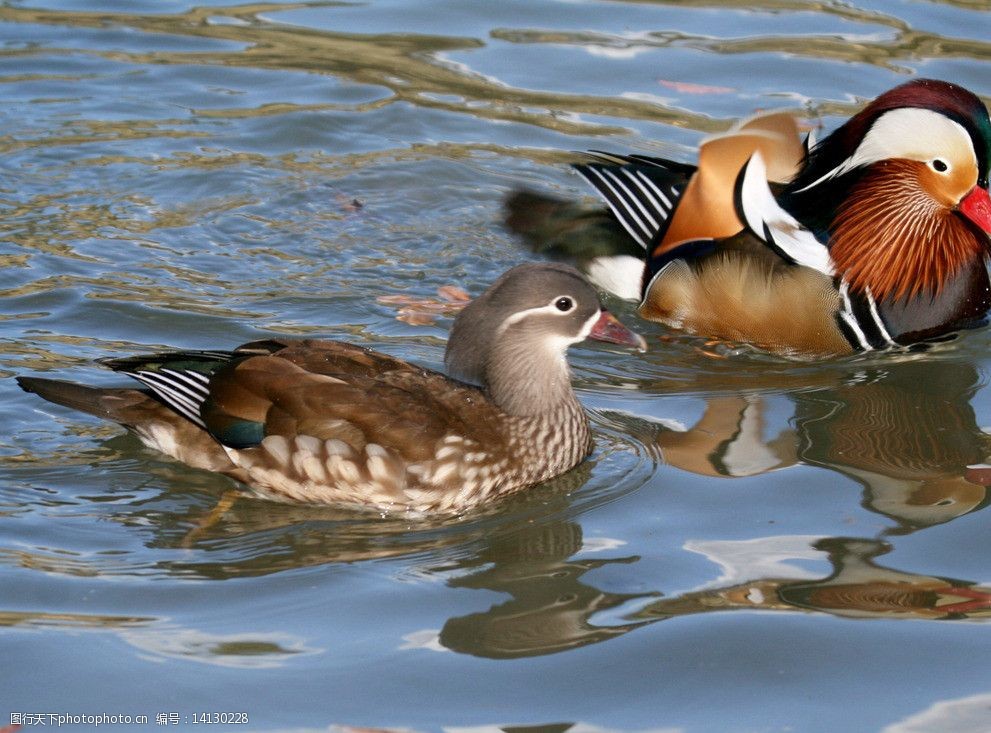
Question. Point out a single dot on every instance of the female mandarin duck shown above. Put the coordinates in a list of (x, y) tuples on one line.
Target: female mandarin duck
[(875, 237), (328, 422)]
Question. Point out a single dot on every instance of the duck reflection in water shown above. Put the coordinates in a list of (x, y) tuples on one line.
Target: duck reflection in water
[(904, 430), (551, 610), (551, 606), (857, 587)]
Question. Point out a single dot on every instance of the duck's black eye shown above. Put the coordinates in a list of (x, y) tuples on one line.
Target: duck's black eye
[(564, 304), (940, 166)]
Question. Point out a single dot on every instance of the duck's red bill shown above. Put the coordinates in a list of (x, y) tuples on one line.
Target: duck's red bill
[(976, 206), (979, 473), (609, 329)]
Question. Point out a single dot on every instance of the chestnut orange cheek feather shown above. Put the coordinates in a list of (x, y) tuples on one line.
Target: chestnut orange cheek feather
[(895, 239)]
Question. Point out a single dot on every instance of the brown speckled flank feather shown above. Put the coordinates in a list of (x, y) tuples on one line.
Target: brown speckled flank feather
[(333, 423)]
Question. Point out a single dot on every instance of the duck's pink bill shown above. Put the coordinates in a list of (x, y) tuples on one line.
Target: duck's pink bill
[(609, 329)]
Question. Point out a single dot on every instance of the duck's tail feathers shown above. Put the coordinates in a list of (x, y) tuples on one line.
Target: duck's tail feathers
[(156, 424), (563, 229), (107, 403)]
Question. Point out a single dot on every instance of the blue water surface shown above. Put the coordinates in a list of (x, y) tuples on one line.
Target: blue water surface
[(757, 544)]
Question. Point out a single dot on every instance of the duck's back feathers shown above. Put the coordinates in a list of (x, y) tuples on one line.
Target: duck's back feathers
[(327, 389), (662, 204), (708, 209)]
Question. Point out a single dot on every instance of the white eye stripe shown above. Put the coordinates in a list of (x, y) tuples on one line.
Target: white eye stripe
[(549, 309), (914, 134), (556, 342), (911, 134)]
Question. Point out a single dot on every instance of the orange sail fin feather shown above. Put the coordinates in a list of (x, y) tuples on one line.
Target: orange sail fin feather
[(706, 209)]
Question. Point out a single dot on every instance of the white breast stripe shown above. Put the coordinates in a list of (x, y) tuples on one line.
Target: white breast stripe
[(852, 323), (877, 318), (846, 313)]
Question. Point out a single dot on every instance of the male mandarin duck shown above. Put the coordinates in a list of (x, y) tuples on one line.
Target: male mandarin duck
[(329, 422), (876, 237)]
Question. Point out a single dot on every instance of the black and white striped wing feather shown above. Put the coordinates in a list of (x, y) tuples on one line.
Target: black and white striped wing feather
[(641, 192), (183, 390)]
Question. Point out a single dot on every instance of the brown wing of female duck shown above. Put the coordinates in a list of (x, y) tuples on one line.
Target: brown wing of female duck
[(328, 422)]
